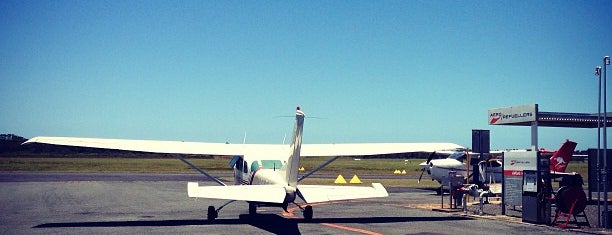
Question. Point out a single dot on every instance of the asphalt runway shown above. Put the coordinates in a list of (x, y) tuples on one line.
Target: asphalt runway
[(30, 205)]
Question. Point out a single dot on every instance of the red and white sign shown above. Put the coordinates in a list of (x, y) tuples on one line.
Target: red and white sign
[(516, 162), (516, 114)]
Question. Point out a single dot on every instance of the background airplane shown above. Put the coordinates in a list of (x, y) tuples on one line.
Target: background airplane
[(490, 170), (264, 175)]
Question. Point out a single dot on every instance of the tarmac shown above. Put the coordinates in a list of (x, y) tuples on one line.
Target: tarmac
[(59, 203)]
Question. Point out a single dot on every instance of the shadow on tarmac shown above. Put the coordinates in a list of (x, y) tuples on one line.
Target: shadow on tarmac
[(269, 222)]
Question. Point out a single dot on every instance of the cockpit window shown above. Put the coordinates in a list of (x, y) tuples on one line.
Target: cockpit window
[(272, 164), (234, 160), (239, 164), (459, 156)]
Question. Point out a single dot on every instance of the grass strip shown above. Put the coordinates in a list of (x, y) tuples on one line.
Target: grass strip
[(345, 166)]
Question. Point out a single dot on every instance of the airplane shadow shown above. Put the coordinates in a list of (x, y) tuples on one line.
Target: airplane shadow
[(272, 223)]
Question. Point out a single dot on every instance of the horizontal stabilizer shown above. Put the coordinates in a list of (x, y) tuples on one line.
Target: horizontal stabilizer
[(324, 193), (255, 193)]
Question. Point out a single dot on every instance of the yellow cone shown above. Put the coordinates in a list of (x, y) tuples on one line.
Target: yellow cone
[(355, 180), (403, 172), (301, 169), (396, 172), (340, 180)]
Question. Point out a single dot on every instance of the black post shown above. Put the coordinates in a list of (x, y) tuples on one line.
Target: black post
[(598, 167), (481, 145), (606, 62)]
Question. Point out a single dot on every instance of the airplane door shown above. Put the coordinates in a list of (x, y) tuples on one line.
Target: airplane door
[(241, 172), (238, 164), (245, 173)]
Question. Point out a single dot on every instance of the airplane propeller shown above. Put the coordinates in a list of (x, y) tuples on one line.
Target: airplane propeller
[(427, 162)]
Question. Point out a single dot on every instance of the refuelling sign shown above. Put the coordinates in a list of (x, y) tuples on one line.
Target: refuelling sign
[(516, 162), (514, 165), (516, 114)]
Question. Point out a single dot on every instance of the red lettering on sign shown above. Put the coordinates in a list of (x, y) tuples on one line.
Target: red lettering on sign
[(513, 173)]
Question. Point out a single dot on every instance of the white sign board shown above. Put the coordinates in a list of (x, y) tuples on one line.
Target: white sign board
[(516, 114), (514, 165), (516, 162)]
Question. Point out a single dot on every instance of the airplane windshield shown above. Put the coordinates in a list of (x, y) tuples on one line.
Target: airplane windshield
[(459, 156), (271, 164)]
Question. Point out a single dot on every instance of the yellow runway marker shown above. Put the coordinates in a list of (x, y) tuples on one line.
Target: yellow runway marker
[(340, 180), (355, 180)]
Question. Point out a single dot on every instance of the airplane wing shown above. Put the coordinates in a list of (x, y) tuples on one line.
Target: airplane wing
[(324, 193), (180, 147), (155, 146), (259, 193), (365, 149)]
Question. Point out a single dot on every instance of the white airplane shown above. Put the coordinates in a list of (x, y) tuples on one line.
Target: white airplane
[(491, 170), (264, 174), (438, 169)]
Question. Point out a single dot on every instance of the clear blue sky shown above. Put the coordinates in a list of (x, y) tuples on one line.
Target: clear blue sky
[(375, 71)]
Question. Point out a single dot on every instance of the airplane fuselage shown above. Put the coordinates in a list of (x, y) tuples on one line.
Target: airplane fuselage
[(491, 171), (256, 171), (440, 170), (263, 176)]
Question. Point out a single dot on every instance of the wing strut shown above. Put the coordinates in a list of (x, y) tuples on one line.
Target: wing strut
[(318, 168), (180, 157)]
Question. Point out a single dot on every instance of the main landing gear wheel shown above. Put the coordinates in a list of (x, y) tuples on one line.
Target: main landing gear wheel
[(212, 213), (252, 209), (308, 212)]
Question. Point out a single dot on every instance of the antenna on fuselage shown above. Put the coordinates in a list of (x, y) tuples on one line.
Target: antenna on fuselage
[(244, 139)]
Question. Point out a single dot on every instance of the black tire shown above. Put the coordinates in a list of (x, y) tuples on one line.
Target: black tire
[(568, 195), (212, 213), (252, 209), (308, 212)]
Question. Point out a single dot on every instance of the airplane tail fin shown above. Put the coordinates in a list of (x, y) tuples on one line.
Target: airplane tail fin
[(291, 169), (560, 159)]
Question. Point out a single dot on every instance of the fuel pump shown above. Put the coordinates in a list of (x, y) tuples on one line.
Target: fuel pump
[(537, 193)]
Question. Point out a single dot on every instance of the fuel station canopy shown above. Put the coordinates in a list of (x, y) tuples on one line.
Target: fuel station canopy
[(525, 115), (530, 115)]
